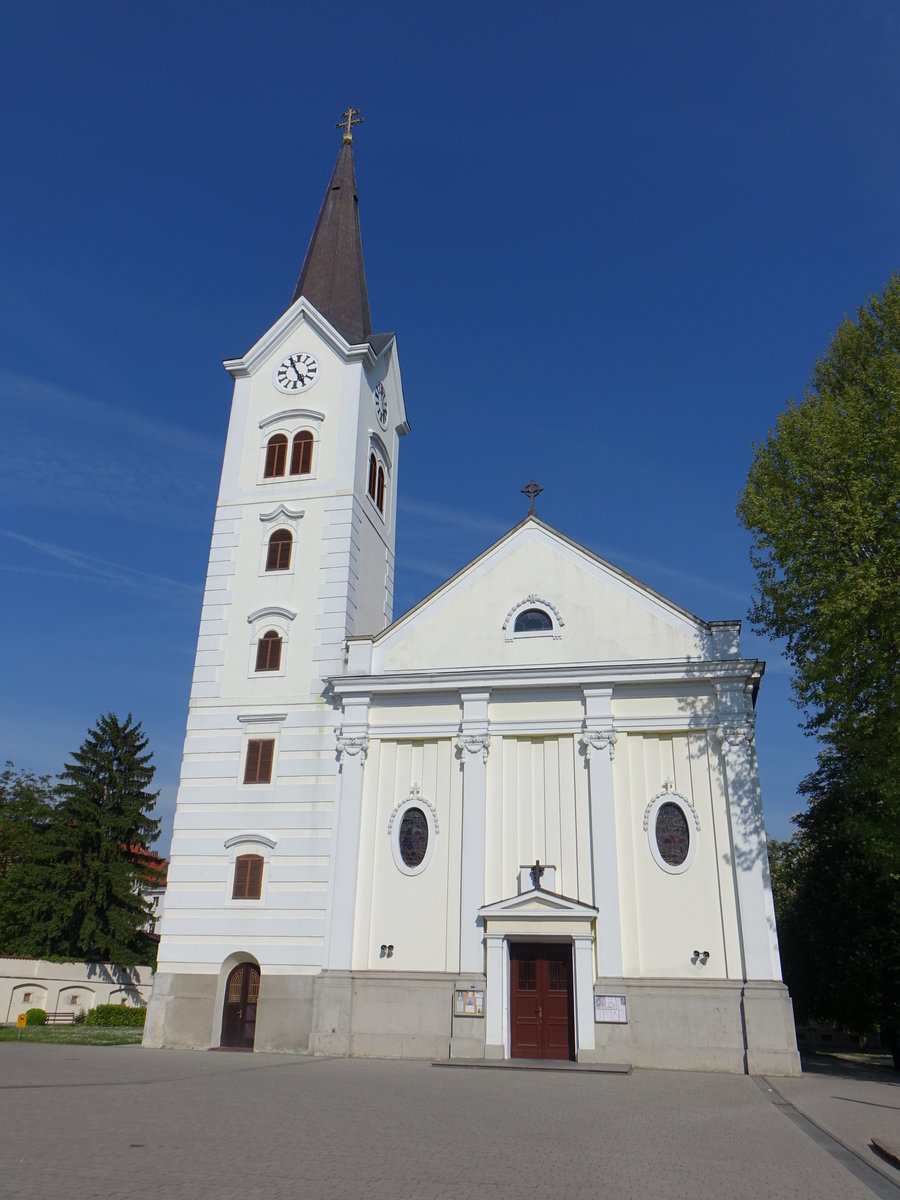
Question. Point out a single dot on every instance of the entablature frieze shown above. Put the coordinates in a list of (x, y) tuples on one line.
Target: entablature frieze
[(512, 679)]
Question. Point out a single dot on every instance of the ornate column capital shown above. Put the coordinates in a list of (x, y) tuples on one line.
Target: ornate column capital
[(733, 734), (472, 743), (351, 745), (599, 739)]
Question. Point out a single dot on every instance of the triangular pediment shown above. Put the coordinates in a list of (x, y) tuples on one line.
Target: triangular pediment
[(595, 613), (538, 903)]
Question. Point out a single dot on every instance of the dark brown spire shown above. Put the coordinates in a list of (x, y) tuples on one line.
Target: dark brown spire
[(333, 277)]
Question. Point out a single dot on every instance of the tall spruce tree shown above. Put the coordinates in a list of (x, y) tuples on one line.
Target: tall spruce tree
[(90, 860)]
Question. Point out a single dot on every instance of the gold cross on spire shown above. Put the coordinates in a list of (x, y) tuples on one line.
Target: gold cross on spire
[(348, 119)]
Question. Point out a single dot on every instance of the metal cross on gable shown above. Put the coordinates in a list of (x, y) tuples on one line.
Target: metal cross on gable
[(532, 490), (537, 872), (348, 119)]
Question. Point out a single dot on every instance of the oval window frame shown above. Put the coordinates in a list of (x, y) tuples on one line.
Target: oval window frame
[(690, 818), (397, 820)]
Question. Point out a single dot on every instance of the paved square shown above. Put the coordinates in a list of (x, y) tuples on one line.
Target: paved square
[(82, 1122)]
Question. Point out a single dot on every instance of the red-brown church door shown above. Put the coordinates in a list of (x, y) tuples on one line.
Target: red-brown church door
[(542, 1009), (239, 1010)]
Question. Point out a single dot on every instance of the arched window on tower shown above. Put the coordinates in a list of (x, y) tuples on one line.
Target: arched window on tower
[(373, 475), (268, 652), (301, 453), (278, 557), (379, 496), (276, 456)]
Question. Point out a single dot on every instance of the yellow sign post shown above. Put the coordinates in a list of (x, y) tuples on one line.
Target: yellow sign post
[(21, 1022)]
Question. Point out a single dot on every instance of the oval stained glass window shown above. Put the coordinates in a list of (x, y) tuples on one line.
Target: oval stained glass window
[(672, 835), (413, 839)]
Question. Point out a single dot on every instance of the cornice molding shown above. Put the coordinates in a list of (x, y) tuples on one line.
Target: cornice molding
[(260, 718), (272, 610), (257, 839), (293, 414), (301, 312), (567, 674), (282, 510)]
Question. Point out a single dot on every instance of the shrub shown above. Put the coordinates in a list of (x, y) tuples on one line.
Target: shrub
[(116, 1014), (36, 1016), (80, 1017)]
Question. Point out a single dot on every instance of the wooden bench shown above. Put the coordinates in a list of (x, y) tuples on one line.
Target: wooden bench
[(60, 1018)]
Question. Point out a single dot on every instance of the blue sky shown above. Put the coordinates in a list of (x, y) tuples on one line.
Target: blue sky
[(612, 241)]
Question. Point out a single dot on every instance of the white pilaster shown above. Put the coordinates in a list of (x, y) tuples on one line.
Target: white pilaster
[(584, 991), (472, 745), (352, 744), (599, 741), (759, 941), (495, 1006)]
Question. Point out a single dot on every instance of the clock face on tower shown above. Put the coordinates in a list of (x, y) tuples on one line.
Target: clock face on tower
[(296, 373), (381, 408)]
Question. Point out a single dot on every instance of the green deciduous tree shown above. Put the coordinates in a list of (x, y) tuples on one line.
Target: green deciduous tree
[(822, 503)]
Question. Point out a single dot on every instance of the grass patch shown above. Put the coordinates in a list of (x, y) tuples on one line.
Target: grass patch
[(79, 1035)]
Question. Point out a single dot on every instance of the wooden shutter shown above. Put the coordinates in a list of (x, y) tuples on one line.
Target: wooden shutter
[(276, 456), (379, 499), (279, 554), (248, 869), (260, 755), (373, 471), (268, 652), (301, 454)]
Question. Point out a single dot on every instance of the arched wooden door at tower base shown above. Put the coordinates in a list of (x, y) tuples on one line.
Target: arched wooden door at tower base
[(239, 1009)]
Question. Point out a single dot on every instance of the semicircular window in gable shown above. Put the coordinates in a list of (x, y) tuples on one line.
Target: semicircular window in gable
[(533, 620)]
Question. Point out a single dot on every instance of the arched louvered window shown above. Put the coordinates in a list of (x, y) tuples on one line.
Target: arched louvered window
[(279, 555), (532, 620), (276, 456), (373, 475), (379, 496), (248, 872), (268, 651), (301, 453)]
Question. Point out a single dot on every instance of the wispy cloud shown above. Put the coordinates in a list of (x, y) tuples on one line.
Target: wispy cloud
[(442, 514), (90, 569), (62, 448)]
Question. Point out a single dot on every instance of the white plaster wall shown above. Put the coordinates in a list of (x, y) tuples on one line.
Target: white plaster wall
[(537, 807), (417, 914), (52, 986), (665, 917)]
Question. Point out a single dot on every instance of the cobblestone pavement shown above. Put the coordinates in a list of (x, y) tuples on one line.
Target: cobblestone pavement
[(83, 1122)]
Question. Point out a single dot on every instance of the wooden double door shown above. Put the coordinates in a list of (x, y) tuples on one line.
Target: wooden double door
[(239, 1009), (541, 1000)]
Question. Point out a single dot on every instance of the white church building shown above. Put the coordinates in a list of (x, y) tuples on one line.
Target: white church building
[(523, 820)]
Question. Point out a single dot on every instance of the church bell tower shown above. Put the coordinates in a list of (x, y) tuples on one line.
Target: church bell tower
[(302, 557)]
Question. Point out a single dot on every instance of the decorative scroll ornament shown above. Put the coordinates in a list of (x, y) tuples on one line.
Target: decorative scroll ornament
[(599, 739), (415, 797), (667, 792), (730, 737), (471, 743), (507, 629), (352, 745)]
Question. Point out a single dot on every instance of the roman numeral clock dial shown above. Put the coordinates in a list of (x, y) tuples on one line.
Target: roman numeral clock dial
[(381, 408), (296, 373)]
